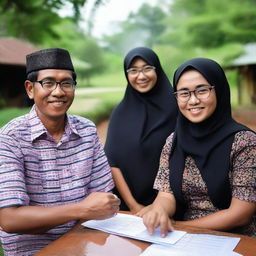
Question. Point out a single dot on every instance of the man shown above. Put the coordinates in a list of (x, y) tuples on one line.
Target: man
[(53, 171)]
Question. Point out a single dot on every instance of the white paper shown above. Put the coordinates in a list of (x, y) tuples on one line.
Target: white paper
[(132, 226), (196, 244)]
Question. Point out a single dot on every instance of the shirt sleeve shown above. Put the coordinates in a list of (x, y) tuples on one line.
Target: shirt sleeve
[(243, 178), (101, 176), (162, 182), (12, 182)]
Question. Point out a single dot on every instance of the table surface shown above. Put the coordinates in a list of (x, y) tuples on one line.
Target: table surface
[(81, 241)]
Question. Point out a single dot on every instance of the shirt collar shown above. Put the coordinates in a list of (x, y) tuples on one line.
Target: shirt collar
[(38, 129), (71, 126)]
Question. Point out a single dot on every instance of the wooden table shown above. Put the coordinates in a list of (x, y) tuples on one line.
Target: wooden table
[(81, 241)]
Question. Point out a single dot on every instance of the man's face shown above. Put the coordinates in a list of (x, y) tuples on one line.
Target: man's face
[(51, 105)]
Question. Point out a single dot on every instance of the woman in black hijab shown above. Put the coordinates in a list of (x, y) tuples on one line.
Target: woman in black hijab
[(207, 168), (138, 128)]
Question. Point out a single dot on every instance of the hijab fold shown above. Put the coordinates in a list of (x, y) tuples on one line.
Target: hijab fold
[(208, 142), (138, 128)]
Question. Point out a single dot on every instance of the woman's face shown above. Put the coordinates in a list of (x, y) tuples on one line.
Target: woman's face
[(145, 80), (196, 110)]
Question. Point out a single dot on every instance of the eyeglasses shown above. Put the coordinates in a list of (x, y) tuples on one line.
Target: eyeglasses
[(145, 70), (201, 93), (51, 85)]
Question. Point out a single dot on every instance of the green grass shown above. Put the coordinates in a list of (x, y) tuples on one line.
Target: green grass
[(104, 96), (8, 114), (105, 80)]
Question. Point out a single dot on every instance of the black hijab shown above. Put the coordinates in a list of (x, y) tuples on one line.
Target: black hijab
[(208, 142), (138, 128)]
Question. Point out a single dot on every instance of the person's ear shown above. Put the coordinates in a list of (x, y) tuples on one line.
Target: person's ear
[(29, 86)]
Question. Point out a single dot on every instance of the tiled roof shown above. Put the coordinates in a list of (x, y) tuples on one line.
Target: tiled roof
[(248, 57), (14, 51)]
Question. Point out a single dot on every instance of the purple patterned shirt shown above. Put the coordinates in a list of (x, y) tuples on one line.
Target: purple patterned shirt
[(36, 171)]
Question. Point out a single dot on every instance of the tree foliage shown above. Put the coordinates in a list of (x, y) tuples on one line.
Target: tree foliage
[(33, 20), (38, 21), (210, 24), (91, 53), (141, 28), (183, 29), (149, 19)]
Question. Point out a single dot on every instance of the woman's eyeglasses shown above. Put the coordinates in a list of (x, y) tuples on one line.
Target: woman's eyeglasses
[(145, 70), (200, 93)]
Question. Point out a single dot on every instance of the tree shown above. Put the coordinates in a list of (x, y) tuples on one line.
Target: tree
[(149, 19), (86, 54), (38, 21), (141, 28), (210, 24), (92, 54), (33, 20)]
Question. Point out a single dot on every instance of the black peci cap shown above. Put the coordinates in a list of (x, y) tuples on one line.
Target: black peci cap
[(53, 58)]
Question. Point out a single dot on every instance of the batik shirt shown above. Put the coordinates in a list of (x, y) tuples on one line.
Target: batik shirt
[(242, 178), (35, 171)]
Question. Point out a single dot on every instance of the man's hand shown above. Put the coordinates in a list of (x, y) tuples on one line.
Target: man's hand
[(99, 205)]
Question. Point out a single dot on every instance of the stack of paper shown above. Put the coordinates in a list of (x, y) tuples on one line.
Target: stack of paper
[(196, 244), (132, 226), (176, 243)]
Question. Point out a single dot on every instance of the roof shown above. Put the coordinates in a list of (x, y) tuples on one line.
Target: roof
[(14, 51), (248, 57)]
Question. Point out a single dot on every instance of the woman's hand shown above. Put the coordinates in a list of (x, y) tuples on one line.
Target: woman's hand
[(136, 207), (144, 210), (157, 217)]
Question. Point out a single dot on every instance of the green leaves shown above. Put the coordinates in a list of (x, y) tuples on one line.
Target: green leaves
[(210, 24), (34, 20), (141, 28)]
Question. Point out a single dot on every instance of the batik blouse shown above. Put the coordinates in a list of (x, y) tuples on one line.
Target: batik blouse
[(242, 178)]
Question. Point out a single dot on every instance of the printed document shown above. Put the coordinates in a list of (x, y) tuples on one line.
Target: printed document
[(132, 226), (196, 244)]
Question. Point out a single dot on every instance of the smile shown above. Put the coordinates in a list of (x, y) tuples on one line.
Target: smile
[(195, 110), (144, 84), (57, 103)]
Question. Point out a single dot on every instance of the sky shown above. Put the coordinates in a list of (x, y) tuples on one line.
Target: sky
[(112, 11)]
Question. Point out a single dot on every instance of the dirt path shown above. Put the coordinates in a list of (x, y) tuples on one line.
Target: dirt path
[(246, 117)]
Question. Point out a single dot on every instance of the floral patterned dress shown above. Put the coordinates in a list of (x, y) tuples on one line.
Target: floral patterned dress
[(242, 177)]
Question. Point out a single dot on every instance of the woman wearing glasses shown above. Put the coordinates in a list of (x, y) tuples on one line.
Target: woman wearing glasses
[(207, 168), (138, 128)]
